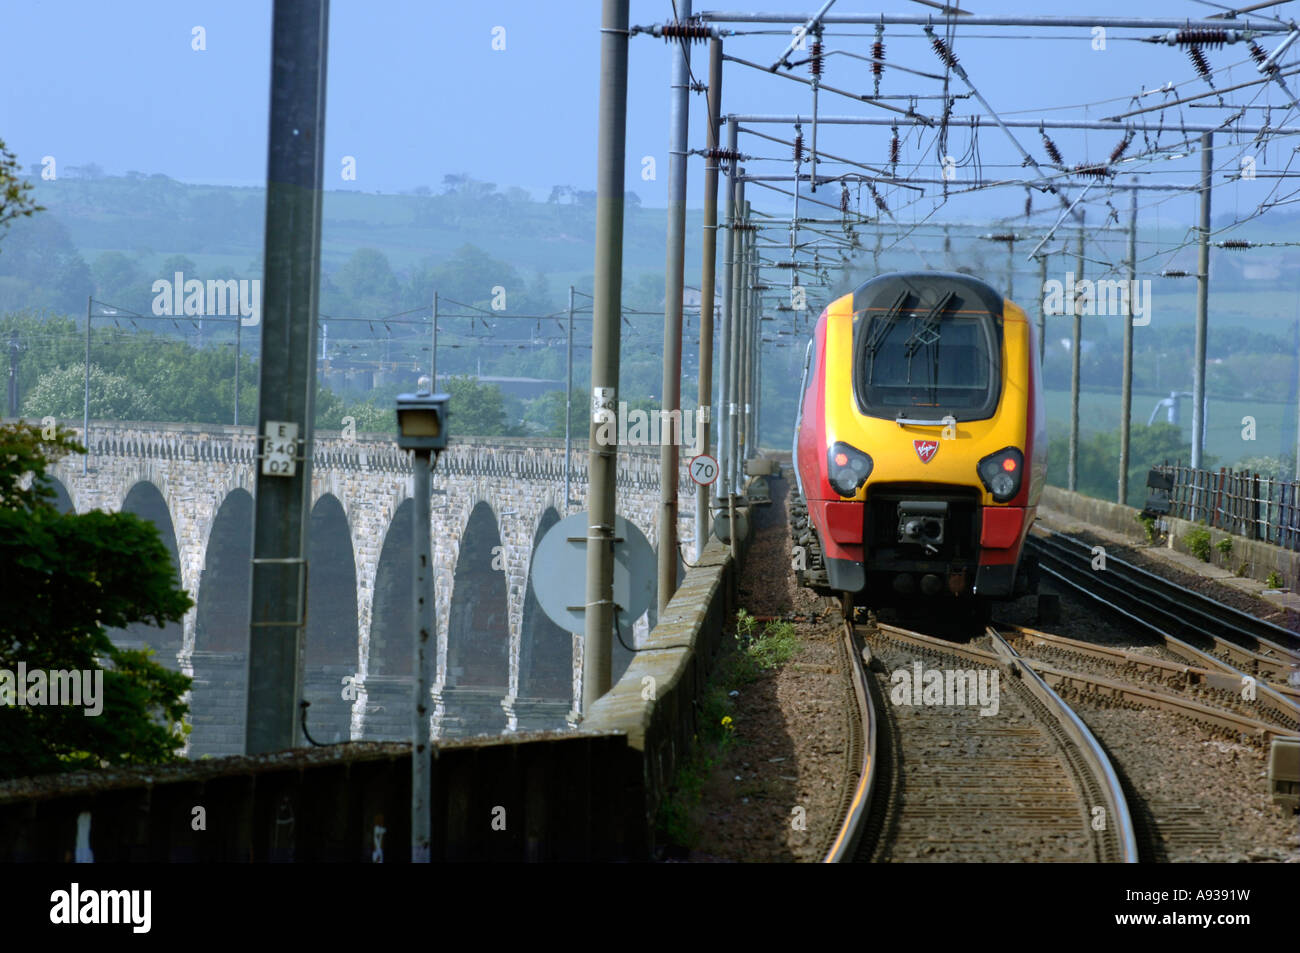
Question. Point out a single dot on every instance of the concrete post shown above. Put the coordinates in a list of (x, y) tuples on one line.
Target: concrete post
[(288, 371)]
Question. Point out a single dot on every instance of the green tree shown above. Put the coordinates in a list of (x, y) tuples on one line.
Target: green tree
[(119, 281), (15, 197), (367, 281), (61, 393), (544, 415), (1098, 459), (477, 410), (64, 578)]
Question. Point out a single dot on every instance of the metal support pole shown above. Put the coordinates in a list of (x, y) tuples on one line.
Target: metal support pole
[(425, 648), (239, 340), (674, 285), (433, 353), (741, 383), (704, 392), (1076, 345), (751, 355), (288, 372), (1011, 268), (568, 409), (725, 423), (606, 312), (1297, 388), (85, 406), (1042, 311), (1202, 303), (1126, 385), (737, 338)]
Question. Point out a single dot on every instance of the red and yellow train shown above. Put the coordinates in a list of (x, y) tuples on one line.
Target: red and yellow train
[(920, 446)]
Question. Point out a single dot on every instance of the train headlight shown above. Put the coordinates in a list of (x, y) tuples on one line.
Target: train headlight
[(847, 468), (1001, 473)]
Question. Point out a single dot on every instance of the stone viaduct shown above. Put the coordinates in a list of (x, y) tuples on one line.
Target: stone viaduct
[(502, 664)]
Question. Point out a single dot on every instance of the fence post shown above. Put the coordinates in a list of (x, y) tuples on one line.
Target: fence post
[(1254, 506)]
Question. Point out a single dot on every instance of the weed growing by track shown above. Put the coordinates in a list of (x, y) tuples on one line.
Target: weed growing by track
[(757, 654)]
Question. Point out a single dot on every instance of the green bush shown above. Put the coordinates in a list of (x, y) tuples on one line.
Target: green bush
[(1224, 546), (1197, 542), (1273, 580), (1148, 527)]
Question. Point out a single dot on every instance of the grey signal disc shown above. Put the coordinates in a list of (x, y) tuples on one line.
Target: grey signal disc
[(559, 573)]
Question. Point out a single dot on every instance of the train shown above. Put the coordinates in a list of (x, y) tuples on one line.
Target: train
[(920, 447)]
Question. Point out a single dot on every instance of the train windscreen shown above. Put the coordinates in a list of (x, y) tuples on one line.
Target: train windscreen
[(927, 362)]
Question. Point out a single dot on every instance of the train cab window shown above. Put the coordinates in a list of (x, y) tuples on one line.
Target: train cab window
[(927, 363)]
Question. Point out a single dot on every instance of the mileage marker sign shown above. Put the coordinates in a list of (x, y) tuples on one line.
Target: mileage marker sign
[(280, 448)]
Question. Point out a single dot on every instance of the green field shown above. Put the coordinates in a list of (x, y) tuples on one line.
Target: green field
[(1275, 432)]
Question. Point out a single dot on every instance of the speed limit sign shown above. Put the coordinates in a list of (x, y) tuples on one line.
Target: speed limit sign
[(704, 469)]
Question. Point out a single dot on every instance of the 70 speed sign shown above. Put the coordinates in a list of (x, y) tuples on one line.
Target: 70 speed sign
[(704, 469)]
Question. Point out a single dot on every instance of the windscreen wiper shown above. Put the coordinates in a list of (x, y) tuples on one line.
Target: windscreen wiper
[(879, 331), (927, 329)]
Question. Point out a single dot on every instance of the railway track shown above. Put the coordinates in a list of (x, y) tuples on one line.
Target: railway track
[(1193, 626), (1213, 697), (945, 782)]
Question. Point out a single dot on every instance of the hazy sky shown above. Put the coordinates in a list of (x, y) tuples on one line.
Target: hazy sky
[(417, 91)]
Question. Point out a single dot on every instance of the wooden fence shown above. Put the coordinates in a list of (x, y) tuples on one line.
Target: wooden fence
[(1237, 501)]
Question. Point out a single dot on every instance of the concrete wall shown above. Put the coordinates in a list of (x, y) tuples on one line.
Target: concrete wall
[(1260, 558)]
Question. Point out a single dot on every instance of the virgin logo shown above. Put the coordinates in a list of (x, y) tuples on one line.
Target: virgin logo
[(926, 449)]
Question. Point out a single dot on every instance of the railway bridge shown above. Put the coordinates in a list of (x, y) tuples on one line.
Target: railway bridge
[(501, 663)]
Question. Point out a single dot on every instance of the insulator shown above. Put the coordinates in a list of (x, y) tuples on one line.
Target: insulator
[(1234, 243), (690, 30), (844, 197), (1094, 170), (941, 50), (880, 201), (878, 57), (894, 149), (1214, 38), (1118, 152), (1004, 237), (1173, 273), (1199, 62), (722, 155), (815, 61), (1259, 56), (1053, 153), (798, 147), (1029, 203)]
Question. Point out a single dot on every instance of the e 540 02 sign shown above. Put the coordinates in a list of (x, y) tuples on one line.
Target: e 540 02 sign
[(280, 448)]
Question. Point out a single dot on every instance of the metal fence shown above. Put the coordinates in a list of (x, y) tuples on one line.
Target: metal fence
[(1237, 501)]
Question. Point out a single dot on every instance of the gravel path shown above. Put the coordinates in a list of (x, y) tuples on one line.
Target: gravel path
[(789, 750)]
